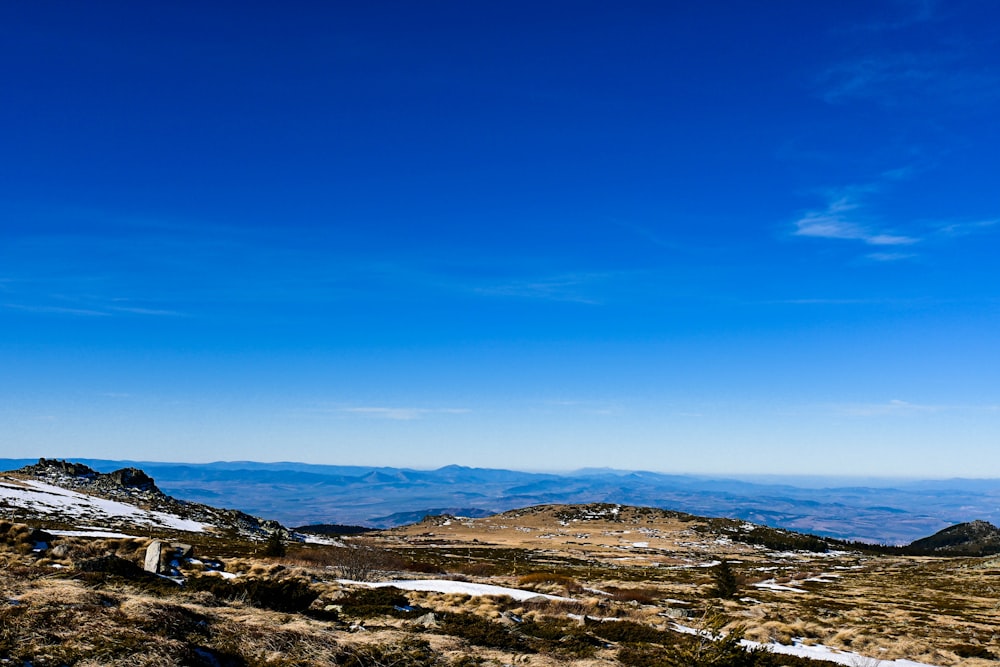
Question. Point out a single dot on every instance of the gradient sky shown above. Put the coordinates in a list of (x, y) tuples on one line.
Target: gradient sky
[(680, 236)]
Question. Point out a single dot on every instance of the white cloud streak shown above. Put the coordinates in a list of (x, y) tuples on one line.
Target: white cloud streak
[(56, 310), (966, 228), (839, 220), (889, 256), (399, 413), (567, 287), (900, 408)]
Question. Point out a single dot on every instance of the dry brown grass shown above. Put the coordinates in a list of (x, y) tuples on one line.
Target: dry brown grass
[(915, 608)]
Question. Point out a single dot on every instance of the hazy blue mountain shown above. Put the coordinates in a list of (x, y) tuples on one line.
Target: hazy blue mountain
[(301, 493)]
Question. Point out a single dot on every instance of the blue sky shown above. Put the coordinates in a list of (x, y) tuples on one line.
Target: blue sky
[(689, 237)]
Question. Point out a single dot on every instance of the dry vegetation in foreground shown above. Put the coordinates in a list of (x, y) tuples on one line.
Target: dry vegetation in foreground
[(629, 578)]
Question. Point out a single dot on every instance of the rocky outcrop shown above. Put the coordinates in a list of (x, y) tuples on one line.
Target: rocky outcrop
[(118, 485), (975, 538), (135, 487), (133, 478)]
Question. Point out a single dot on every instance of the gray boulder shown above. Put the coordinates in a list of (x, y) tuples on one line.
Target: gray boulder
[(156, 554)]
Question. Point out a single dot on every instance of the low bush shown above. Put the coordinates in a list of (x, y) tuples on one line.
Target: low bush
[(483, 632), (972, 651), (628, 632), (551, 629), (410, 652), (642, 655), (726, 584), (478, 569), (275, 546), (371, 602), (288, 595), (561, 636), (536, 578), (644, 596), (548, 606)]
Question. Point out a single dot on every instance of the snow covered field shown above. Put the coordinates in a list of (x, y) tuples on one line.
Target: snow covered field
[(71, 506)]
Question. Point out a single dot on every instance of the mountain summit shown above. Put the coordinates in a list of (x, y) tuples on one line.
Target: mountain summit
[(62, 493), (131, 482), (975, 538)]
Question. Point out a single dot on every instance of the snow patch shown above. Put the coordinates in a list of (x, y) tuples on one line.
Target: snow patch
[(450, 586), (48, 499), (772, 585), (96, 532)]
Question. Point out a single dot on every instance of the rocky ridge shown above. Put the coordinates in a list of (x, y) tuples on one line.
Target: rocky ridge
[(975, 538), (135, 487)]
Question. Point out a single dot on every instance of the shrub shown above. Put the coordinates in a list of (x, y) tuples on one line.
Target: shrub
[(641, 656), (275, 546), (111, 565), (563, 636), (360, 562), (644, 596), (726, 584), (479, 569), (628, 631), (167, 620), (483, 632), (369, 602), (536, 578), (288, 595), (410, 652), (972, 651), (711, 647)]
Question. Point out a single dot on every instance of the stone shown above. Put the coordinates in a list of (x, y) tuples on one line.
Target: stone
[(182, 550), (428, 620), (154, 556), (59, 551)]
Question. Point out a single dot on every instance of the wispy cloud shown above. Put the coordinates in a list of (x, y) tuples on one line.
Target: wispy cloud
[(949, 76), (589, 407), (648, 235), (87, 308), (153, 312), (399, 413), (849, 216), (56, 310), (893, 407), (571, 287), (900, 408), (881, 77), (912, 13), (843, 218), (821, 301), (889, 256), (958, 228)]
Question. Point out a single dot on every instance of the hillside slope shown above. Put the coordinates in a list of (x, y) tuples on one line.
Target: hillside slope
[(73, 496), (975, 538)]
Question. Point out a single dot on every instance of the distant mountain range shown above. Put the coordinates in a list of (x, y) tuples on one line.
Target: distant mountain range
[(298, 494)]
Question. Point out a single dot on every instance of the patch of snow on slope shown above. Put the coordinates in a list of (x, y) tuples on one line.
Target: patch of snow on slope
[(47, 499), (309, 538), (96, 532), (820, 652), (449, 586), (815, 652), (772, 585)]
